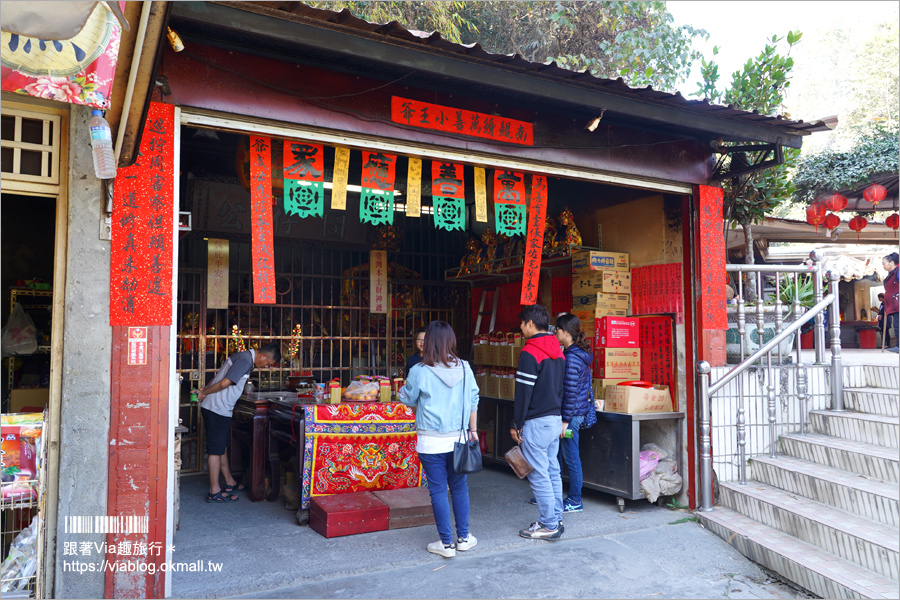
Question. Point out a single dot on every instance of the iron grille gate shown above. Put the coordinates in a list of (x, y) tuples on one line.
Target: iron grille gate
[(324, 290)]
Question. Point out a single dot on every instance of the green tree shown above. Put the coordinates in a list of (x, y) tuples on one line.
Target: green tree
[(760, 86), (633, 40)]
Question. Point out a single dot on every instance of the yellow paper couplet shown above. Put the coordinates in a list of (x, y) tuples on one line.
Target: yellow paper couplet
[(480, 196), (217, 274), (339, 184), (414, 188)]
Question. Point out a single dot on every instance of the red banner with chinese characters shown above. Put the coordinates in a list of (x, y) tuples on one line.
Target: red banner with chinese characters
[(466, 122), (378, 282), (534, 243), (657, 342), (261, 220), (509, 202), (303, 161), (657, 289), (142, 227), (711, 258)]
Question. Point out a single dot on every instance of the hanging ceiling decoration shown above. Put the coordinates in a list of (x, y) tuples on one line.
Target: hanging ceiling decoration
[(874, 194), (857, 224), (815, 214), (835, 202)]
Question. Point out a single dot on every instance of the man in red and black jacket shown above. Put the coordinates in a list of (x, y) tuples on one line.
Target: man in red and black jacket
[(537, 420)]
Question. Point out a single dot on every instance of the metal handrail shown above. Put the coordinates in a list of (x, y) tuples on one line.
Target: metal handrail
[(831, 302), (771, 344)]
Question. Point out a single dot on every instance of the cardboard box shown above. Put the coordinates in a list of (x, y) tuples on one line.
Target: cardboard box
[(594, 300), (616, 282), (588, 317), (478, 354), (617, 363), (587, 283), (638, 399), (507, 388), (509, 355), (493, 386), (491, 355), (29, 400), (481, 381), (593, 260), (600, 386), (616, 332)]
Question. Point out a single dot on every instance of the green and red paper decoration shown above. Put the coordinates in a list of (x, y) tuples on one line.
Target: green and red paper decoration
[(304, 179), (509, 202), (376, 203), (448, 195)]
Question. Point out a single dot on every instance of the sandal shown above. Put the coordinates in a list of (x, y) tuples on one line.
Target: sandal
[(240, 487), (221, 497)]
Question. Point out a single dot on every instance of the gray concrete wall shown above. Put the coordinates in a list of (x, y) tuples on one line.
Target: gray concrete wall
[(84, 412)]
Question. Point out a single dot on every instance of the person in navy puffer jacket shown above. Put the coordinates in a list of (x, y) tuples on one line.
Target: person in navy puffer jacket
[(576, 401)]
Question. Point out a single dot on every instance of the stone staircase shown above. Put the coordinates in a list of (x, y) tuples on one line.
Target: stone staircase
[(825, 514)]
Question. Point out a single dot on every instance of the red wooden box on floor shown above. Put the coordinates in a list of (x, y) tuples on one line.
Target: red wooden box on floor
[(346, 514), (409, 507)]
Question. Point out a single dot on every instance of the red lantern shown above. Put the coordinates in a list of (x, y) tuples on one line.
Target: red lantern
[(857, 224), (893, 221), (874, 193), (815, 214), (835, 202), (831, 221)]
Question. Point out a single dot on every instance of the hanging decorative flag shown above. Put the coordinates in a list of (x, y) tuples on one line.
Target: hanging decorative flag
[(304, 179), (341, 172), (480, 196), (376, 203), (261, 219), (534, 244), (448, 195), (140, 274), (509, 202), (414, 188)]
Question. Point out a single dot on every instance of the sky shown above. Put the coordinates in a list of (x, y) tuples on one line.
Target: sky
[(741, 29)]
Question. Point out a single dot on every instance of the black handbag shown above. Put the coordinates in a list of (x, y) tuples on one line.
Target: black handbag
[(466, 453)]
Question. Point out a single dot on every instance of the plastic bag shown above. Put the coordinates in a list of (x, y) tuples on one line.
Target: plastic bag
[(662, 481), (651, 447), (21, 563), (649, 460), (20, 335), (361, 391)]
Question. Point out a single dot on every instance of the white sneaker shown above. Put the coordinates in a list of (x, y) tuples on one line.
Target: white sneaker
[(466, 544), (438, 547)]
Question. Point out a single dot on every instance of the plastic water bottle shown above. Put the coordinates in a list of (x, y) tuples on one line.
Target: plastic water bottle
[(101, 146)]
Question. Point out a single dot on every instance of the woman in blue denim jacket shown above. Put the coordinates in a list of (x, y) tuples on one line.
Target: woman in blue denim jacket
[(442, 389)]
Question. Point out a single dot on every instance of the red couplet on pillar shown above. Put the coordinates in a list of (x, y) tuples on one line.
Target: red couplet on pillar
[(261, 220), (142, 231), (534, 243)]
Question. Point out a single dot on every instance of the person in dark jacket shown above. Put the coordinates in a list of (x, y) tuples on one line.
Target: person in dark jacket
[(576, 401), (416, 357), (891, 299), (537, 423)]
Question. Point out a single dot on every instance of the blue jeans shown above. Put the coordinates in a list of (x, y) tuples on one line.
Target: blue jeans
[(439, 471), (540, 444), (570, 454)]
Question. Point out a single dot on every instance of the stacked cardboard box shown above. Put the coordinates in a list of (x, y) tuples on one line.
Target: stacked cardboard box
[(617, 352), (601, 286), (495, 359)]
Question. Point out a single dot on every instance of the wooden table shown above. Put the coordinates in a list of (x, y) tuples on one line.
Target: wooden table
[(248, 436)]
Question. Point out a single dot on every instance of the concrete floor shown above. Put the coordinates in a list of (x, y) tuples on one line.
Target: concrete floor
[(856, 356), (646, 552)]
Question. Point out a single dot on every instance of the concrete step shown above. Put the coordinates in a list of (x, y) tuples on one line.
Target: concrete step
[(869, 544), (856, 494), (873, 401), (857, 427), (814, 569), (869, 460), (883, 377)]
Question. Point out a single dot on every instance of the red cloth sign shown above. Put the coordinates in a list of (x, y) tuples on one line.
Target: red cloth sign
[(140, 279), (711, 258), (657, 289), (534, 243), (466, 122), (657, 352), (261, 218)]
